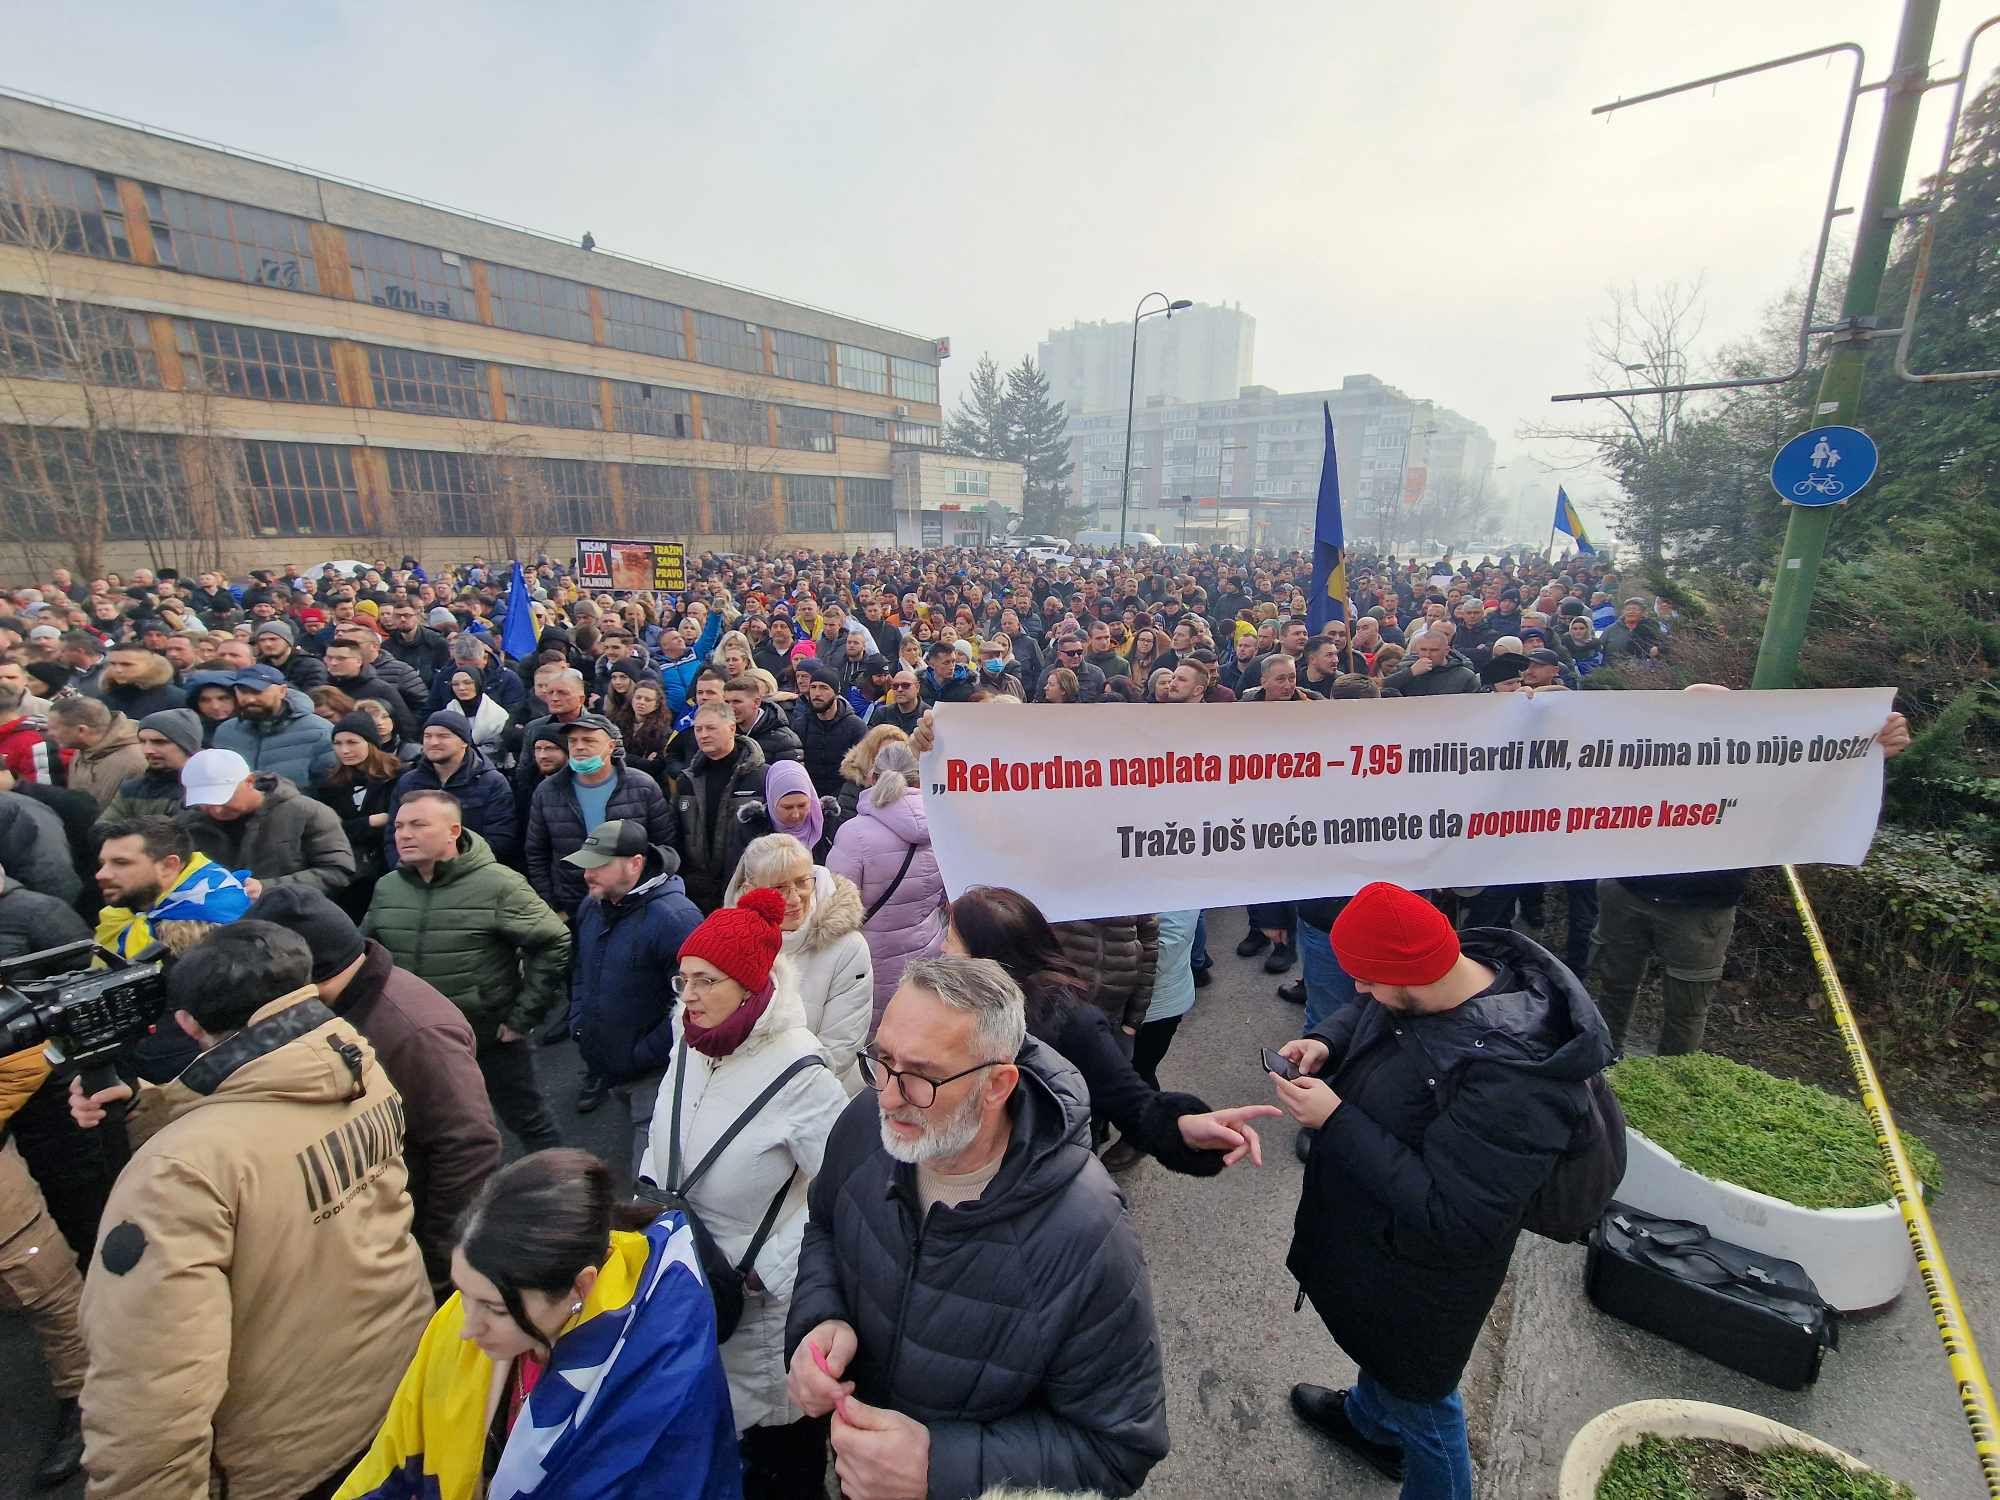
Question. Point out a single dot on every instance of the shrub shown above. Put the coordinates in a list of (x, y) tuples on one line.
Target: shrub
[(1657, 1468), (1771, 1135)]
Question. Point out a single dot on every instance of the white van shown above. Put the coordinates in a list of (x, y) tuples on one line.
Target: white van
[(1110, 539)]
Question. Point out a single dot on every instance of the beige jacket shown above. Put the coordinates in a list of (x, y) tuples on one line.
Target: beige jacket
[(257, 1293), (102, 768)]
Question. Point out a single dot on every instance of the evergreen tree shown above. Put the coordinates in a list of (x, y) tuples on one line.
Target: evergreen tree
[(1037, 441), (979, 428)]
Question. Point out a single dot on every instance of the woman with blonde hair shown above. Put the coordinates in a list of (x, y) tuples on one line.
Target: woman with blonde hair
[(885, 849), (859, 763), (732, 653), (829, 956)]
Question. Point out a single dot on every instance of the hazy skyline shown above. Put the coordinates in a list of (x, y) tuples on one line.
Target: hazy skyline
[(1414, 191)]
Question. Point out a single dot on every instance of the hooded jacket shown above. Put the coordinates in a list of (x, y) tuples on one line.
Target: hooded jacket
[(485, 800), (297, 744), (1448, 1124), (556, 827), (290, 840), (835, 972), (624, 952), (869, 850), (1018, 1327), (710, 847), (99, 771), (478, 933), (827, 741), (425, 1046), (257, 1291), (152, 691), (774, 736), (150, 794), (783, 1143), (423, 655)]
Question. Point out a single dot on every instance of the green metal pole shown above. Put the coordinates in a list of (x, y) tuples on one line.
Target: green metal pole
[(1840, 387)]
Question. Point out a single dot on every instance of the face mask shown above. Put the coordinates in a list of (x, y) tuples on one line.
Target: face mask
[(994, 665), (959, 674), (588, 765)]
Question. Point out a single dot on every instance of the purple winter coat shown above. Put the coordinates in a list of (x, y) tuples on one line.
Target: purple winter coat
[(869, 850)]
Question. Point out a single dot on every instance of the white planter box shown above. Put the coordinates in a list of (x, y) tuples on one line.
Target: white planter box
[(1592, 1449), (1858, 1257)]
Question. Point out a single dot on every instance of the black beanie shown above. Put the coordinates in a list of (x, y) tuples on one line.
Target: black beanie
[(361, 726), (331, 934), (457, 723)]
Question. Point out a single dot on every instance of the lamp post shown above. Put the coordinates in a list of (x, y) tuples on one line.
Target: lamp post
[(1169, 306)]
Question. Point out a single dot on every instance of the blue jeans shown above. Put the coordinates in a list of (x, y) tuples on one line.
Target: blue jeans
[(1198, 958), (1437, 1460), (1327, 986)]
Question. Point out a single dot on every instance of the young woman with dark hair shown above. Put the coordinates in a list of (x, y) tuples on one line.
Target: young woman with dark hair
[(603, 1338), (358, 786), (994, 922)]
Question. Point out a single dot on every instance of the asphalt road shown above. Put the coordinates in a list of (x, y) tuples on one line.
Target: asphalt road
[(1233, 1346)]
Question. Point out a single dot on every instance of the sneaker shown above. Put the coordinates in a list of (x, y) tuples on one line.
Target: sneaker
[(1293, 993), (1326, 1411), (1203, 978), (593, 1093), (1302, 1143), (1281, 957), (1254, 943), (1122, 1157), (63, 1458)]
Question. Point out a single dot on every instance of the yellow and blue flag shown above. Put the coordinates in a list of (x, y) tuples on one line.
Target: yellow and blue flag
[(1570, 524), (1328, 599)]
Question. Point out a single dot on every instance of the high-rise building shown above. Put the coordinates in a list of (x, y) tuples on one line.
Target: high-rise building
[(209, 356), (1408, 467), (1202, 353)]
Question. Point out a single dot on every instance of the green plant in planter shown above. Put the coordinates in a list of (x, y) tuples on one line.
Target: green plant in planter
[(1657, 1468), (1771, 1135)]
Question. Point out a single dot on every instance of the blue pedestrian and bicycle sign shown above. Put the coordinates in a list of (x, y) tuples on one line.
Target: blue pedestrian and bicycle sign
[(1827, 466)]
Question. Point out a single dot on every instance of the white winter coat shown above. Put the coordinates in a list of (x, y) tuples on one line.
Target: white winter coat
[(835, 970), (787, 1138), (489, 729)]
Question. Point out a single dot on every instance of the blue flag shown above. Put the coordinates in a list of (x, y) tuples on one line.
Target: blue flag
[(1328, 597), (1570, 524), (518, 638)]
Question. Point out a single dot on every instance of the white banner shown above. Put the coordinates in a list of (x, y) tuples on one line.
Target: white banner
[(1105, 810)]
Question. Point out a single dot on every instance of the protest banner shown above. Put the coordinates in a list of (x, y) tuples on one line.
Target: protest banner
[(1125, 808), (605, 564)]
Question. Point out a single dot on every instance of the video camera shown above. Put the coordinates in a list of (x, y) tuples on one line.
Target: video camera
[(84, 1017)]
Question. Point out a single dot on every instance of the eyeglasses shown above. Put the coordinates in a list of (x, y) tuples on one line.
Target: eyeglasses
[(701, 984), (918, 1091)]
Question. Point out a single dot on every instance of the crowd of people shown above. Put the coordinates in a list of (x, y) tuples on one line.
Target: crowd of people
[(867, 1216)]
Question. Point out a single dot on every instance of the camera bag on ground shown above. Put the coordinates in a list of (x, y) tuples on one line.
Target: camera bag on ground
[(1755, 1313), (726, 1278)]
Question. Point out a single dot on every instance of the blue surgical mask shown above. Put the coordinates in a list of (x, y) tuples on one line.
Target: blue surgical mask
[(995, 665), (586, 765)]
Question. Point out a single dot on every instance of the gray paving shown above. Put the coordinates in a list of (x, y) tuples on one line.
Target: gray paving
[(1233, 1347)]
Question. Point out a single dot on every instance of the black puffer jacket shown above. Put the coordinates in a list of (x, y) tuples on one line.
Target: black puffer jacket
[(556, 828), (826, 743), (1018, 1327), (774, 736), (709, 848), (1448, 1124), (1118, 958)]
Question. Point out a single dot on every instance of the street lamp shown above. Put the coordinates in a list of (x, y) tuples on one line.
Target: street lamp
[(1139, 310)]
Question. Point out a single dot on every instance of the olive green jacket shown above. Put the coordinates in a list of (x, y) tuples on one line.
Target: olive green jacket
[(477, 932)]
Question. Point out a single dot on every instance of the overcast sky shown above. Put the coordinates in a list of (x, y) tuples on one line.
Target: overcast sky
[(1411, 189)]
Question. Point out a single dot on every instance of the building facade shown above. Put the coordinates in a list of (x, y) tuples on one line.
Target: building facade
[(951, 500), (1405, 465), (209, 359), (1202, 353)]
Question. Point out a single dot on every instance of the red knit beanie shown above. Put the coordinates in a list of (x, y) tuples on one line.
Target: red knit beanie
[(742, 940), (1387, 935)]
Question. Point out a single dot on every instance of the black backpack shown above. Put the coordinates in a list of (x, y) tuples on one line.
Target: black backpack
[(725, 1278), (1569, 1205)]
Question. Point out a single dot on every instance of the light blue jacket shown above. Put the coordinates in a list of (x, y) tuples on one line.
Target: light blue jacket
[(1173, 982)]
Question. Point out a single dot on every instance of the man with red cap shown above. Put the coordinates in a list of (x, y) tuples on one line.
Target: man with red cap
[(1440, 1110)]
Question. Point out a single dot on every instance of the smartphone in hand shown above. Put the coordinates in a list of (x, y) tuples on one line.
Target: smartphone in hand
[(1277, 1062)]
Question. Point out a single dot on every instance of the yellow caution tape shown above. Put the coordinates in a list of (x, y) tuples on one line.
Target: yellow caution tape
[(1975, 1394)]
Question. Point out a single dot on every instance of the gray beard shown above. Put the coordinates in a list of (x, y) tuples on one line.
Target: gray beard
[(940, 1138)]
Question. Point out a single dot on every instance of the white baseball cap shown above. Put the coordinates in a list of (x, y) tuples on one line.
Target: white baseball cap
[(212, 776)]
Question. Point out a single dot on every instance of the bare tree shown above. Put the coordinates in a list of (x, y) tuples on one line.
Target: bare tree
[(740, 493), (1645, 338)]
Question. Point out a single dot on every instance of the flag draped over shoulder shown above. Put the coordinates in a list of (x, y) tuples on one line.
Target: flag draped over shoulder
[(1327, 600), (1569, 523), (517, 637)]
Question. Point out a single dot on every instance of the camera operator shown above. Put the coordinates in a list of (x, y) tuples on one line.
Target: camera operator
[(257, 1292)]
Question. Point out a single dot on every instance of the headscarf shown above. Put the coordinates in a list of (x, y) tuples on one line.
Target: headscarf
[(785, 777)]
